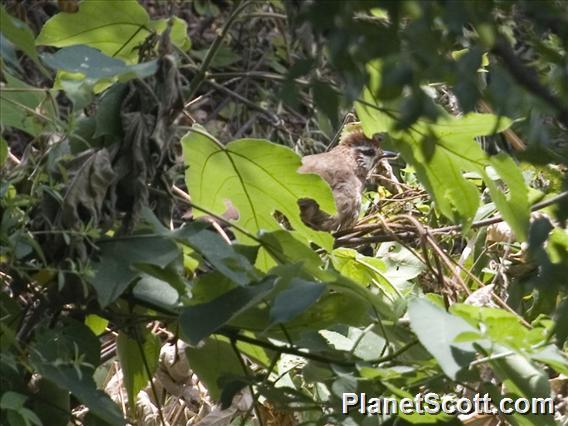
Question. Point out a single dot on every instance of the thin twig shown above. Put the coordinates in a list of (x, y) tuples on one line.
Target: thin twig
[(345, 241), (202, 71), (314, 357), (252, 105)]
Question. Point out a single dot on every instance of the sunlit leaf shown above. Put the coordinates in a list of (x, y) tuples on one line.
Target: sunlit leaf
[(442, 151), (115, 27), (258, 178), (213, 361), (138, 355)]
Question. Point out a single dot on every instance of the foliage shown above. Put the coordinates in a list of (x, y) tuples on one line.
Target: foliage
[(149, 191)]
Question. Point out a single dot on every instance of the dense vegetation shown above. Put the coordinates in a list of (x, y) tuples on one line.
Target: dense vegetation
[(133, 292)]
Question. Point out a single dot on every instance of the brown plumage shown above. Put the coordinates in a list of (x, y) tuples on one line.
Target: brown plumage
[(345, 168)]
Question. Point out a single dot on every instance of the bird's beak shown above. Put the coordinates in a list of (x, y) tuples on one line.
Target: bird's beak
[(389, 154)]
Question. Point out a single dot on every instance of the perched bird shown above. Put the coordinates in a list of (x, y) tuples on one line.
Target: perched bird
[(345, 168)]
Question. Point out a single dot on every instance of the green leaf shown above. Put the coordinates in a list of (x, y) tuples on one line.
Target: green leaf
[(199, 321), (3, 151), (401, 264), (304, 262), (515, 207), (441, 152), (67, 356), (500, 326), (96, 324), (298, 296), (107, 119), (178, 34), (436, 329), (51, 403), (8, 54), (284, 248), (222, 256), (114, 272), (78, 91), (375, 115), (259, 178), (330, 309), (561, 321), (158, 292), (18, 107), (212, 361), (19, 34), (455, 152), (209, 286), (95, 65), (552, 356), (83, 387), (364, 270), (115, 27), (520, 376), (138, 357), (13, 401)]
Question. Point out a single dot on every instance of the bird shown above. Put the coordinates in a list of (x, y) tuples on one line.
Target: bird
[(345, 168)]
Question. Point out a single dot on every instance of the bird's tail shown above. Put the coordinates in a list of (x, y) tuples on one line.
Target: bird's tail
[(315, 218)]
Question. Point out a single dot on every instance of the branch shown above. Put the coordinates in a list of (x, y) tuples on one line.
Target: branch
[(346, 241), (252, 105), (291, 350), (200, 75)]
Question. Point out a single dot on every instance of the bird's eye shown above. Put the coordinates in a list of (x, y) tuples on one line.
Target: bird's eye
[(369, 152)]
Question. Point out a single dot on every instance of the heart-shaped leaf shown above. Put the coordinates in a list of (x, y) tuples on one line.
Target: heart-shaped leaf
[(259, 178), (114, 27)]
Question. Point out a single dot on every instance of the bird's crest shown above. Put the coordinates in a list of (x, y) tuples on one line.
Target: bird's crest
[(352, 134)]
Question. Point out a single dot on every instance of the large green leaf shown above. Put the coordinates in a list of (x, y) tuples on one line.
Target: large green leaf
[(95, 65), (115, 27), (259, 178), (285, 249), (436, 329), (139, 359), (442, 151)]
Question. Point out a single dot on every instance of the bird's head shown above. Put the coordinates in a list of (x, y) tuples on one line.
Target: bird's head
[(366, 151)]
